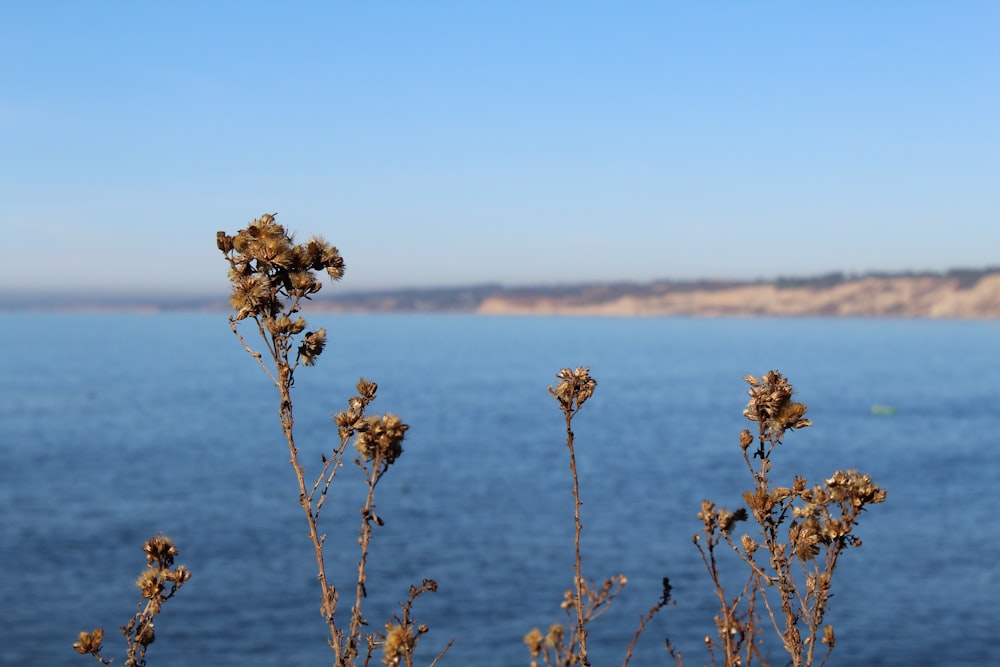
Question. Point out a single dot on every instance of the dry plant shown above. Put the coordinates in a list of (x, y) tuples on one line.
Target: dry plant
[(801, 531), (153, 586), (271, 276), (586, 601)]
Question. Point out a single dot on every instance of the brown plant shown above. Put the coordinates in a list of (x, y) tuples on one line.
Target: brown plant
[(587, 600), (802, 531), (271, 277), (157, 584)]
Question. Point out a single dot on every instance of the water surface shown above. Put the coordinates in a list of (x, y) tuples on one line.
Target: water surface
[(113, 427)]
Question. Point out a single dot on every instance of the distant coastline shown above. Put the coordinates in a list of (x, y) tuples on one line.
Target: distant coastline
[(959, 293)]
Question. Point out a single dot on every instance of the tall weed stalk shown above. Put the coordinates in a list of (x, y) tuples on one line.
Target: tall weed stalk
[(587, 600), (800, 532), (271, 278), (157, 584)]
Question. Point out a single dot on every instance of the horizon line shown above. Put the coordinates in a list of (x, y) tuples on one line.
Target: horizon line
[(200, 293)]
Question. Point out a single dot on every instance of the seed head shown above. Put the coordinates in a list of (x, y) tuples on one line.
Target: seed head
[(89, 642), (381, 437), (266, 252), (772, 406), (854, 488), (367, 389), (534, 641), (399, 642), (150, 584), (312, 346), (805, 539), (575, 388), (160, 549)]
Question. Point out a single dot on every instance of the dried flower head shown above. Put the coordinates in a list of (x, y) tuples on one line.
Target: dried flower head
[(399, 642), (569, 600), (707, 515), (253, 296), (269, 272), (367, 389), (150, 584), (854, 488), (556, 635), (575, 388), (805, 539), (312, 346), (381, 438), (178, 575), (772, 406), (160, 549), (534, 641), (89, 642), (727, 519)]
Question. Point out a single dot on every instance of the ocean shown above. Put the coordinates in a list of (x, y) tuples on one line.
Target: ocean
[(114, 427)]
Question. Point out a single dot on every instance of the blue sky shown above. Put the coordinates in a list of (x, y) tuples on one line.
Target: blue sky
[(444, 143)]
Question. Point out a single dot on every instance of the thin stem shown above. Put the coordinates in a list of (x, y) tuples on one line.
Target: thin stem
[(642, 626), (360, 592), (256, 355), (578, 581), (441, 654), (329, 595), (331, 466)]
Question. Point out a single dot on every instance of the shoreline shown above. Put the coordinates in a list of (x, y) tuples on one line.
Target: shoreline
[(956, 295)]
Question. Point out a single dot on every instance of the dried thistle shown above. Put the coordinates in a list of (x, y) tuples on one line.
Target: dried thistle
[(586, 601), (271, 276), (380, 438), (312, 346), (771, 405), (270, 273), (153, 587), (160, 550), (556, 635), (90, 642), (575, 388), (534, 640), (399, 642), (803, 531)]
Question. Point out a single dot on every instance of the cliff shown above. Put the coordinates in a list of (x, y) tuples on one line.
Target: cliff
[(929, 297), (955, 294)]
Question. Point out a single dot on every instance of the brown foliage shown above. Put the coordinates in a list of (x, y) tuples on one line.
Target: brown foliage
[(799, 532), (157, 584)]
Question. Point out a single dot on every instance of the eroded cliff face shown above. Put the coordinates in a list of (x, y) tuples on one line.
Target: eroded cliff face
[(957, 294), (924, 296)]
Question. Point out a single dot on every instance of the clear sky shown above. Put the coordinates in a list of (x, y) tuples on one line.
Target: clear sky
[(447, 143)]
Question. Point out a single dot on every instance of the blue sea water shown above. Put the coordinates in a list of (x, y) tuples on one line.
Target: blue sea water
[(114, 427)]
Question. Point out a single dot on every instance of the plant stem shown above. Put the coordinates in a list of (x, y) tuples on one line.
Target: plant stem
[(329, 600), (578, 580), (367, 512)]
